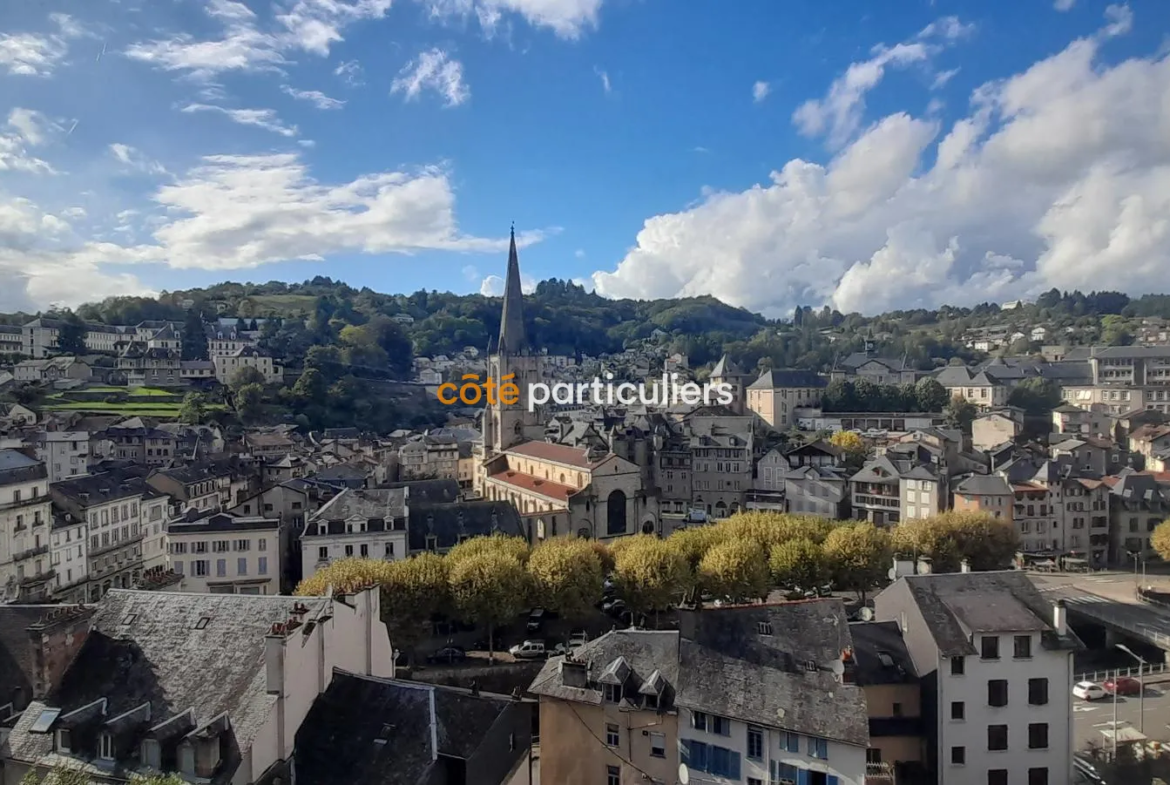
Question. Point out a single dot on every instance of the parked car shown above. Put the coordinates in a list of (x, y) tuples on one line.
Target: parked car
[(448, 655), (578, 638), (535, 620), (1089, 691), (529, 650), (1123, 685)]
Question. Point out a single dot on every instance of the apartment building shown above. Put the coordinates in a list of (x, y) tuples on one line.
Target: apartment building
[(197, 486), (607, 712), (431, 457), (986, 493), (64, 453), (982, 388), (26, 515), (995, 660), (68, 554), (721, 471), (1137, 504), (134, 440), (1058, 512), (221, 553), (356, 523), (765, 695), (228, 365), (777, 394)]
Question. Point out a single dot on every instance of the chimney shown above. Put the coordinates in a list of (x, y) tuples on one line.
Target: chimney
[(964, 566), (55, 640), (1060, 618), (574, 673)]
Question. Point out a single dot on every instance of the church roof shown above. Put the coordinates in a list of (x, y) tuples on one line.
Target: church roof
[(512, 337)]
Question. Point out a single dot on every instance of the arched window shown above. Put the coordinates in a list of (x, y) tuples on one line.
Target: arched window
[(615, 513)]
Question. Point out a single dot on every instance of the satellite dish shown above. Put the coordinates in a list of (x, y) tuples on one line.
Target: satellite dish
[(866, 614), (892, 574), (684, 774)]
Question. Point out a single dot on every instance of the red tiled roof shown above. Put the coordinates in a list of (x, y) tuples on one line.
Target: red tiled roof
[(1090, 484), (1028, 487), (1111, 480), (529, 484), (559, 453)]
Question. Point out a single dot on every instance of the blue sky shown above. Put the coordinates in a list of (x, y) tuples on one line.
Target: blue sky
[(772, 154)]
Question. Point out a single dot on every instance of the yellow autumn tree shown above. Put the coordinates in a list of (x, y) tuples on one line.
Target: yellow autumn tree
[(651, 574), (735, 570), (1160, 539), (489, 588), (798, 563), (858, 554), (567, 576), (513, 547), (344, 577), (852, 445)]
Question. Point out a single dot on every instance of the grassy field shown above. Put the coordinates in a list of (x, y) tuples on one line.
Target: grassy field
[(166, 406)]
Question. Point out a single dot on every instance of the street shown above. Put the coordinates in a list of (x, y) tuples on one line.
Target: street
[(1090, 717)]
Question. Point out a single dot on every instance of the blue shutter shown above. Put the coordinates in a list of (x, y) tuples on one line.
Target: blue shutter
[(684, 751), (832, 780), (699, 756), (733, 772), (801, 777)]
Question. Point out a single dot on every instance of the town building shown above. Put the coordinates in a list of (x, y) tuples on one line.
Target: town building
[(356, 523), (982, 388), (26, 516), (777, 394), (64, 453), (228, 365), (995, 661), (68, 554), (220, 553)]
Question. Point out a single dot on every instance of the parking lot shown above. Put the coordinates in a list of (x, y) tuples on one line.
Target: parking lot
[(1090, 717)]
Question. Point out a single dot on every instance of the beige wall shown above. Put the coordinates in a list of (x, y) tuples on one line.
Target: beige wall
[(880, 698), (995, 429), (572, 744)]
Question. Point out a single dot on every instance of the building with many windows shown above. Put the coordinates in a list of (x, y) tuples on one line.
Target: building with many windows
[(995, 660), (356, 523), (221, 553), (25, 520)]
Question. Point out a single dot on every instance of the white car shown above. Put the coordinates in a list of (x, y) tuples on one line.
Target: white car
[(1089, 691)]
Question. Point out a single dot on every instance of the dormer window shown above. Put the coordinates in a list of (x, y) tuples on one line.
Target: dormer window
[(613, 693), (650, 701), (64, 741), (810, 666), (432, 543), (106, 747), (764, 627)]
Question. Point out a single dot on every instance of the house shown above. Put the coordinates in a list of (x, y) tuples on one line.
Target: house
[(69, 557), (17, 415), (1137, 504), (994, 428), (765, 695), (619, 688), (356, 523), (52, 370), (134, 440), (817, 490), (986, 493), (64, 453), (879, 370), (777, 394), (995, 660), (228, 365), (11, 339), (982, 388), (221, 553), (212, 687), (364, 729), (145, 366), (438, 528), (25, 516), (198, 486)]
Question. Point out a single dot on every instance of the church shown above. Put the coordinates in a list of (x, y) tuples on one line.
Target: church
[(557, 489)]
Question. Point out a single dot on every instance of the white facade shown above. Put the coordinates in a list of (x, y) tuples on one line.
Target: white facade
[(25, 518), (65, 454), (69, 556), (153, 516), (228, 365), (764, 754), (318, 550), (241, 556)]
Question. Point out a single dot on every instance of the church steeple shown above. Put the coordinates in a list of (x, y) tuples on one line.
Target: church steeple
[(512, 338)]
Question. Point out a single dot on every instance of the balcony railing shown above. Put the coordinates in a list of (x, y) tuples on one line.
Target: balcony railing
[(35, 500), (879, 774), (40, 577), (31, 553), (891, 502)]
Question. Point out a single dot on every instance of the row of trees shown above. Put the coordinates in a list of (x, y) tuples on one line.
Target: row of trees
[(863, 395), (492, 580)]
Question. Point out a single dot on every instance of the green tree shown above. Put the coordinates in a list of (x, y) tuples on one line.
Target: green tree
[(930, 395), (245, 376), (1115, 331), (858, 554), (194, 408), (692, 543), (736, 570), (567, 576), (71, 334), (960, 413), (1160, 540), (344, 576), (651, 574), (253, 326), (1036, 395), (489, 588), (194, 344), (311, 386), (241, 325), (798, 563), (986, 542), (65, 775), (249, 401)]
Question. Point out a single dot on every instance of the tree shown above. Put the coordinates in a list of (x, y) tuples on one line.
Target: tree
[(241, 325), (413, 591), (253, 326), (930, 395), (986, 542), (65, 775), (1036, 395), (194, 344), (567, 576), (513, 547), (1160, 539), (852, 445), (960, 413), (858, 555), (194, 408), (736, 570), (71, 334), (929, 537), (692, 543), (798, 563), (245, 376), (344, 576), (311, 386), (489, 588), (249, 401), (651, 574)]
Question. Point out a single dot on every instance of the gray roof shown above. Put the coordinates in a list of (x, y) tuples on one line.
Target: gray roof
[(145, 647), (984, 485), (780, 680), (378, 504), (1121, 352), (15, 467), (645, 652), (880, 654), (957, 605), (776, 379)]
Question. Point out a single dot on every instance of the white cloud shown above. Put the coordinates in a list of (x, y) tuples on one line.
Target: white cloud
[(350, 72), (132, 158), (493, 285), (25, 129), (38, 54), (315, 25), (1064, 5), (230, 10), (315, 97), (760, 91), (604, 77), (260, 118), (579, 253), (1120, 19), (567, 18), (942, 78), (1058, 177), (432, 70), (470, 273), (839, 114)]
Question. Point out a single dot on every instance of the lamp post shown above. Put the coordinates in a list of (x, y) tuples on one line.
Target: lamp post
[(1141, 686), (1116, 675)]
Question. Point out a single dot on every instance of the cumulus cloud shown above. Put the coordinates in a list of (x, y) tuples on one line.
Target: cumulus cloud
[(315, 97), (39, 54), (760, 91), (23, 130), (566, 18), (1120, 21), (1058, 176), (432, 70), (258, 118)]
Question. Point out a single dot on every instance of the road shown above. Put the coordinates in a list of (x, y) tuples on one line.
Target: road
[(1088, 718)]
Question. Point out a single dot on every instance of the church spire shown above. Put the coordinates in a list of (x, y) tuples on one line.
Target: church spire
[(512, 338)]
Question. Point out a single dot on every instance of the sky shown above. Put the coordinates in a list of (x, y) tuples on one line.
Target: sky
[(864, 155)]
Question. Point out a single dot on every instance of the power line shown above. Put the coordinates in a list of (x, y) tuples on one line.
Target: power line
[(616, 752)]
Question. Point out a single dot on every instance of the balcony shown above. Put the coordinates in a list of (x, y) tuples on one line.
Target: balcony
[(890, 502), (31, 553), (32, 502), (879, 774), (39, 578)]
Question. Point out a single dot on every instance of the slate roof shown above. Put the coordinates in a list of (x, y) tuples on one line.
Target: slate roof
[(956, 605), (380, 504), (728, 668), (17, 467), (107, 486), (984, 485), (646, 652), (368, 731), (432, 491), (872, 640), (145, 647), (447, 523), (776, 379)]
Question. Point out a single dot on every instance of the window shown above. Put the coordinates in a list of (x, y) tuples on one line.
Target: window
[(997, 777), (698, 720), (106, 747), (1023, 647), (897, 709), (262, 569), (958, 710), (873, 755), (263, 544), (1038, 735), (613, 693), (958, 756), (997, 692), (348, 551), (199, 568), (1037, 692), (989, 647), (613, 775), (241, 566), (790, 742), (1038, 776), (364, 551), (958, 666), (64, 741), (818, 748), (784, 773), (221, 568), (997, 737), (755, 743), (657, 745), (389, 550), (754, 781), (323, 552), (764, 627), (612, 735)]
